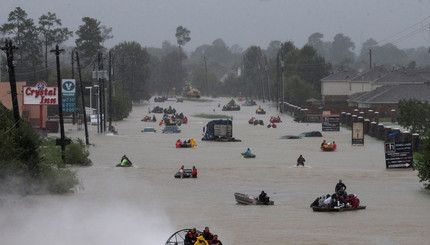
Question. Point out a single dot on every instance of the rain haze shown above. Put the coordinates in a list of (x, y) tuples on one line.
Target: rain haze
[(243, 22)]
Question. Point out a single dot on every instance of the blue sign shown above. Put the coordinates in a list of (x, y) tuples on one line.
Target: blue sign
[(68, 87), (69, 104)]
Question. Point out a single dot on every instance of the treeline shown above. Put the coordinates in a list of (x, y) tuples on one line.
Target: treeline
[(214, 69)]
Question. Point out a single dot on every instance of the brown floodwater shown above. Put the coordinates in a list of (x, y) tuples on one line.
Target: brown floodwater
[(145, 204)]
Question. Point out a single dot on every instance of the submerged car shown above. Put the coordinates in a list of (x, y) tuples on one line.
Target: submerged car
[(149, 130), (311, 134), (290, 137), (171, 129)]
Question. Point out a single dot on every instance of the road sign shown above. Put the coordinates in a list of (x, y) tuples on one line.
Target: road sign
[(398, 154)]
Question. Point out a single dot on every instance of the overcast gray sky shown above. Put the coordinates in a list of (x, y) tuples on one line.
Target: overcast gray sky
[(243, 22)]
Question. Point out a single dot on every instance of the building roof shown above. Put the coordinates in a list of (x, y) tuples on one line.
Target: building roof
[(371, 75), (393, 93), (341, 74), (399, 76)]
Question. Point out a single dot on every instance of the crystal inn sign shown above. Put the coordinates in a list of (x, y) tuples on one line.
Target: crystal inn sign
[(40, 94)]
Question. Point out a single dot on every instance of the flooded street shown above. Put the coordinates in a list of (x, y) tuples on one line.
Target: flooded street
[(145, 204)]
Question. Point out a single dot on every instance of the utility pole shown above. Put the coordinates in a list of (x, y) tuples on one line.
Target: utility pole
[(268, 78), (73, 77), (87, 142), (207, 84), (370, 59), (60, 100), (110, 90), (278, 65), (282, 78), (9, 48), (260, 68)]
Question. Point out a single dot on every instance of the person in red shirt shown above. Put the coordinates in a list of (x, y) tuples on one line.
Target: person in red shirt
[(178, 144), (354, 201), (194, 173)]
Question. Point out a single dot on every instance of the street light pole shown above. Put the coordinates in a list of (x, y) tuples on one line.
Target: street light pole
[(91, 98), (98, 107)]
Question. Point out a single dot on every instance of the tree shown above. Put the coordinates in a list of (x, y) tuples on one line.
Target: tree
[(51, 33), (422, 161), (273, 49), (414, 115), (24, 35), (297, 91), (170, 73), (251, 68), (132, 63), (91, 36), (182, 37), (341, 50)]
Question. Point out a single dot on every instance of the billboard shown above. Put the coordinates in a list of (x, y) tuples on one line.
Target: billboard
[(331, 122), (357, 133), (40, 94), (398, 155)]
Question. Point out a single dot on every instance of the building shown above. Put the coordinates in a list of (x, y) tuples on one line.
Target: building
[(30, 113)]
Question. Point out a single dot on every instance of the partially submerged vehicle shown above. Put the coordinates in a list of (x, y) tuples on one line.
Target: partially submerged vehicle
[(186, 174), (160, 99), (249, 200), (290, 137), (311, 134), (148, 130), (219, 130), (171, 129), (157, 109), (249, 103), (336, 209)]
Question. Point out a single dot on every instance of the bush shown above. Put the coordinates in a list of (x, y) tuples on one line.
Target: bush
[(77, 154)]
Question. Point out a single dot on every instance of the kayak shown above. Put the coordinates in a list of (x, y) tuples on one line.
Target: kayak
[(336, 209), (249, 200), (245, 156)]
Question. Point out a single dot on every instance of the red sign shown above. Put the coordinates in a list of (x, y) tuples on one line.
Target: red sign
[(40, 94)]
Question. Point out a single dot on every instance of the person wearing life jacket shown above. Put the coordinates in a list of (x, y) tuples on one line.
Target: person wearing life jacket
[(125, 161), (193, 142), (194, 173), (178, 143), (201, 241), (207, 235), (181, 171), (334, 146), (191, 236), (353, 200)]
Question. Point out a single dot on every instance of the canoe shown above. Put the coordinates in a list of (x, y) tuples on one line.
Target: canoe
[(249, 200), (324, 209)]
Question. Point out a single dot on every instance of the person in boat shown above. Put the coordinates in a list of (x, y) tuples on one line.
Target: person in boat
[(154, 119), (316, 202), (191, 236), (248, 153), (353, 200), (181, 171), (323, 143), (178, 143), (301, 161), (201, 241), (327, 201), (215, 241), (263, 197), (339, 186), (125, 161), (321, 201), (334, 145), (193, 142), (194, 173), (207, 235)]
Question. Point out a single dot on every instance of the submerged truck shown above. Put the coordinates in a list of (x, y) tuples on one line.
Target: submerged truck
[(219, 130)]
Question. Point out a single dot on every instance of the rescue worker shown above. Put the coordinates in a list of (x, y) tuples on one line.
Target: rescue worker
[(191, 237), (194, 173), (301, 161), (201, 241), (248, 152), (125, 161)]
